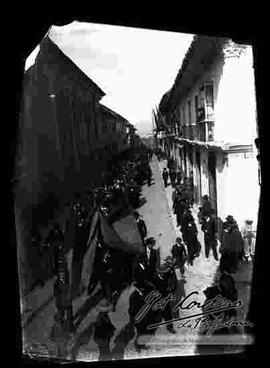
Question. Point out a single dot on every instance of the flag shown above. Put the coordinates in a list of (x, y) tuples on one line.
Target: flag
[(101, 230), (158, 126), (162, 121)]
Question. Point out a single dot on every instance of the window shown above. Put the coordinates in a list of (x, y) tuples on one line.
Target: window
[(196, 108), (189, 113), (183, 116), (209, 100)]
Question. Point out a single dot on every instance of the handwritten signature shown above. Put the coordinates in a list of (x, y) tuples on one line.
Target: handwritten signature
[(219, 304)]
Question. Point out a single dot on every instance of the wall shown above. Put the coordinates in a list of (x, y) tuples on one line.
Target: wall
[(235, 108), (204, 171), (58, 142), (242, 189), (213, 73)]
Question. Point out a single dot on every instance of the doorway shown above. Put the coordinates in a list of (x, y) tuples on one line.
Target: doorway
[(212, 179), (198, 191)]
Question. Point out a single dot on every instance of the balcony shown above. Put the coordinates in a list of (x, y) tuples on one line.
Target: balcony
[(205, 131), (205, 114)]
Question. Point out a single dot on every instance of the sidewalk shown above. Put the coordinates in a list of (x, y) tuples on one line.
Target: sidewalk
[(201, 266), (206, 270)]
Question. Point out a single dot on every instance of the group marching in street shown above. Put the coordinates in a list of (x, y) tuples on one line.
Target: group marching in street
[(113, 269)]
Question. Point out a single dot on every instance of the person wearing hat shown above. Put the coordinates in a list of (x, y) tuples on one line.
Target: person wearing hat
[(206, 207), (165, 176), (249, 239), (172, 174), (175, 193), (179, 207), (189, 232), (225, 287), (179, 254), (209, 227), (151, 260), (141, 226), (232, 246), (166, 283)]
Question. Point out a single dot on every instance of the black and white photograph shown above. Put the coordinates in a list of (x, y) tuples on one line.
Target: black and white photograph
[(137, 189)]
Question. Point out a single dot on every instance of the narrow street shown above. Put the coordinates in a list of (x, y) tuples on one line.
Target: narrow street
[(156, 209)]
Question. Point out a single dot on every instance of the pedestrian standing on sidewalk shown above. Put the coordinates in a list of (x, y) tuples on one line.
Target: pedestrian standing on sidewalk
[(178, 177), (232, 246), (206, 207), (249, 239), (209, 227), (189, 232), (148, 176), (199, 216), (172, 174), (165, 176), (175, 193), (179, 254), (141, 226), (151, 261), (179, 207)]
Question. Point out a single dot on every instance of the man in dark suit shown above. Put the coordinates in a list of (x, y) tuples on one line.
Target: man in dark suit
[(141, 227), (166, 283), (151, 260)]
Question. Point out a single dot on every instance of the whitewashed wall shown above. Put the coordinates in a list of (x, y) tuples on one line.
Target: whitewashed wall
[(235, 108)]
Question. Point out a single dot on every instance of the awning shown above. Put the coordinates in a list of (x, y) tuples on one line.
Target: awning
[(206, 145)]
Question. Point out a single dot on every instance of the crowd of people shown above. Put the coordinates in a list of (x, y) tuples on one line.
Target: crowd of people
[(118, 192)]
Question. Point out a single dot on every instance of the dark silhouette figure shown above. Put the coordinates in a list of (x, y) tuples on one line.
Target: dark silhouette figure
[(148, 176), (209, 227), (136, 302), (141, 226), (165, 176), (189, 231), (172, 177), (103, 332)]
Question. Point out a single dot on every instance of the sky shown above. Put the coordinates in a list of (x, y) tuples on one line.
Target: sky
[(133, 66)]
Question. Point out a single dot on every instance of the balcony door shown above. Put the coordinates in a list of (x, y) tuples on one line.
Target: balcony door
[(209, 101)]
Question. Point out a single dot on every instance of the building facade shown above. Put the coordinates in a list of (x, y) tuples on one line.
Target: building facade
[(65, 139), (210, 112)]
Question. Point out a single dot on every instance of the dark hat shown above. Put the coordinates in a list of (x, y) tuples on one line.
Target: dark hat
[(230, 219), (104, 306), (179, 240), (163, 268), (205, 196)]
